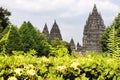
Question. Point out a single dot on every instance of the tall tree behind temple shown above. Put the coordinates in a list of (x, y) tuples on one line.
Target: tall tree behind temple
[(4, 20)]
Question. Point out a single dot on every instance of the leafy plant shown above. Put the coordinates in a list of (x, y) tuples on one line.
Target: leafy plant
[(110, 39), (4, 20), (92, 66)]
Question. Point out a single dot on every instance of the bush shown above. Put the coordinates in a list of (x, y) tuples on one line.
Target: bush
[(89, 67)]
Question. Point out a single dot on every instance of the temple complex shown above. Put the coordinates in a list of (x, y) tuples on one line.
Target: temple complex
[(93, 30)]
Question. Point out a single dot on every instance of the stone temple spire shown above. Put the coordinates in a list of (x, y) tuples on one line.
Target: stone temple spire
[(79, 47), (94, 10), (55, 32), (93, 29), (72, 44), (45, 31)]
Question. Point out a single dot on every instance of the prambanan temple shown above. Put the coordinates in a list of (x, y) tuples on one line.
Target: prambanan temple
[(93, 29)]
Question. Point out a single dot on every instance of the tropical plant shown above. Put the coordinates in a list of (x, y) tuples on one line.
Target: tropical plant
[(89, 67), (111, 36)]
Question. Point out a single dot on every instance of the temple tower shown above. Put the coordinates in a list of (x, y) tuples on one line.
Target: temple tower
[(55, 32), (72, 44), (93, 29), (79, 47), (45, 31)]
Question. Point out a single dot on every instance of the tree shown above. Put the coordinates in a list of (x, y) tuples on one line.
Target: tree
[(26, 31), (113, 41), (104, 38), (33, 39), (11, 40), (1, 28), (59, 44), (4, 20), (111, 35)]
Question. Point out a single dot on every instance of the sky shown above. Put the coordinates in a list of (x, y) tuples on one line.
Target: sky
[(70, 15)]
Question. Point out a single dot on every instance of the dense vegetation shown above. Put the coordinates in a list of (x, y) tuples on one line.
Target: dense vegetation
[(4, 20), (26, 54), (27, 38), (89, 67), (110, 40)]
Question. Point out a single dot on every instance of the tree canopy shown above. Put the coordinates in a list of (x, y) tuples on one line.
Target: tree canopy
[(11, 40), (32, 38), (4, 18), (110, 38)]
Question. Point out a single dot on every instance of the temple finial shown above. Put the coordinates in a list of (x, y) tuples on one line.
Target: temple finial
[(55, 21), (94, 5), (55, 32), (94, 9), (45, 30), (72, 44)]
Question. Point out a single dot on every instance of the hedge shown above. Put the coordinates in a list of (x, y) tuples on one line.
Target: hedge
[(89, 67)]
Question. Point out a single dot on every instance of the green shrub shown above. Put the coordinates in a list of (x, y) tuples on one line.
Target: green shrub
[(88, 67)]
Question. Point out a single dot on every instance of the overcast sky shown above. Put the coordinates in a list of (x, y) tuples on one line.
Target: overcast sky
[(71, 15)]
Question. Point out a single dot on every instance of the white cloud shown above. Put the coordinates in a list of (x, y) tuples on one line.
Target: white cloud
[(85, 6), (38, 5), (70, 8), (62, 10)]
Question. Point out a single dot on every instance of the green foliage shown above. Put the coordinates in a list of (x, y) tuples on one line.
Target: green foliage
[(4, 20), (1, 28), (58, 43), (14, 42), (113, 42), (31, 38), (29, 53), (89, 67), (59, 51), (28, 38), (110, 38), (4, 32), (59, 48), (26, 31), (104, 39), (11, 40)]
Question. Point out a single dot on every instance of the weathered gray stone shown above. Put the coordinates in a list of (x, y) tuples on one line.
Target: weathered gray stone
[(45, 31), (79, 47), (72, 45), (93, 29), (55, 32)]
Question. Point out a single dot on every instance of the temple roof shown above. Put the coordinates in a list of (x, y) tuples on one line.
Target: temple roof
[(72, 44), (45, 30), (55, 32), (94, 11)]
